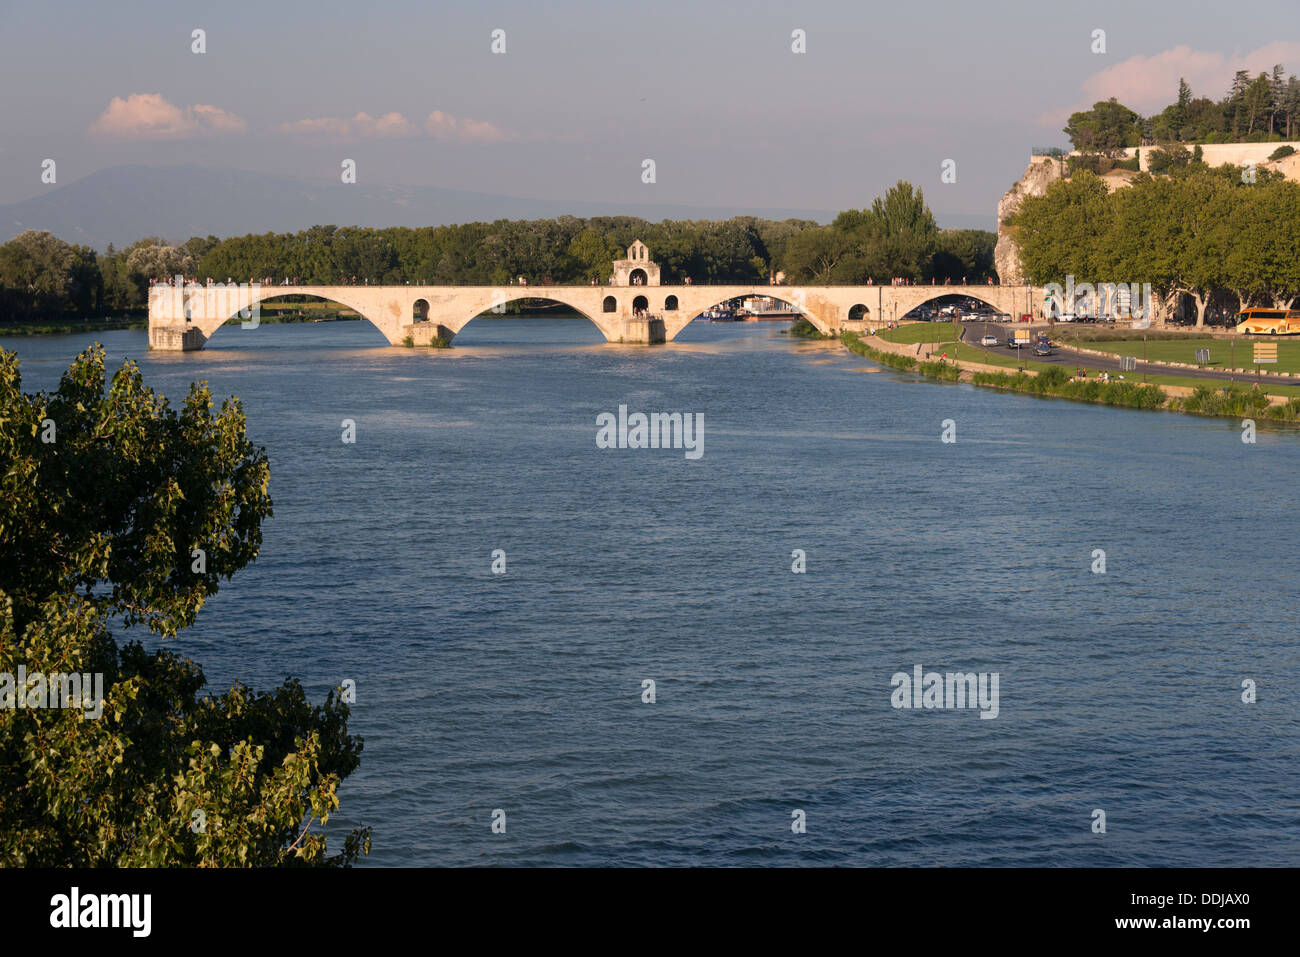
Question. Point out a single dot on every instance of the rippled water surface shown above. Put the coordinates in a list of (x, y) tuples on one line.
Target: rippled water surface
[(1119, 691)]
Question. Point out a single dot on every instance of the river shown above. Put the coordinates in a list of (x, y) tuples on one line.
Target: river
[(1118, 691)]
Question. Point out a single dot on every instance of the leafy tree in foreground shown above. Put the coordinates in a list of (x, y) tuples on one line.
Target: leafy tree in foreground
[(104, 497)]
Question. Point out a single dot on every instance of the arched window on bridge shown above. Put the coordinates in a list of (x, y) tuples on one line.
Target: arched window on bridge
[(420, 311), (670, 304), (609, 305), (640, 302), (859, 311), (637, 277)]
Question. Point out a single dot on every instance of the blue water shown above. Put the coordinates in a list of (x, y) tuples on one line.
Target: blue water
[(1118, 691)]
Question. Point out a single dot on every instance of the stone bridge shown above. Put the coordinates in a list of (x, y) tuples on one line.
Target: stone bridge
[(184, 319)]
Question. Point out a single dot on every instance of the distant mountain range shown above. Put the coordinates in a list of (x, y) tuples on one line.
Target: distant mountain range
[(124, 203)]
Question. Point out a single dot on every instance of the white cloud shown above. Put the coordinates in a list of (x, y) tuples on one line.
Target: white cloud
[(149, 116), (363, 126), (444, 126)]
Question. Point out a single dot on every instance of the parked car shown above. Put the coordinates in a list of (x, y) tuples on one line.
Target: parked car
[(989, 341), (1042, 348)]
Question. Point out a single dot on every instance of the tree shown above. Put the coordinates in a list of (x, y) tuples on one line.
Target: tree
[(1236, 96), (1065, 232), (1276, 96), (1107, 127), (1163, 161), (896, 237), (41, 275), (1180, 107), (105, 523), (813, 255), (1261, 261), (593, 255), (1256, 101), (964, 254), (1292, 102)]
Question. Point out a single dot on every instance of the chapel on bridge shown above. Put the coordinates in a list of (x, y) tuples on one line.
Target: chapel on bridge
[(637, 269)]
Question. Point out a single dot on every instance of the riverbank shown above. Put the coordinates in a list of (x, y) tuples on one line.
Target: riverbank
[(1056, 382), (63, 327), (66, 327)]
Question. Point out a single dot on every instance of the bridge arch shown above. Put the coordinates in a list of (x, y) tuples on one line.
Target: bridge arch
[(858, 311), (807, 302), (937, 295), (215, 312), (420, 310), (555, 296)]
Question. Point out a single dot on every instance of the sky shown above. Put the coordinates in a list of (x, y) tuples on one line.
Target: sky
[(585, 92)]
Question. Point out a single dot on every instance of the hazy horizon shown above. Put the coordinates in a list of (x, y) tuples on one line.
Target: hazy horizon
[(585, 93)]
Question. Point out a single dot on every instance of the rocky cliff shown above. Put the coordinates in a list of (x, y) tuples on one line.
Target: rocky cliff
[(1043, 171)]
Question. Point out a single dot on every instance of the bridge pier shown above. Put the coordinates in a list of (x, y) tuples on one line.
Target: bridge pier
[(650, 331), (423, 333), (176, 337)]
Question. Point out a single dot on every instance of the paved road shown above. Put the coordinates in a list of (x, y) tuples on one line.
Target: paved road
[(1072, 359)]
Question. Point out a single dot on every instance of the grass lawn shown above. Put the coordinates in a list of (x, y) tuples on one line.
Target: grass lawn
[(1224, 354), (914, 332)]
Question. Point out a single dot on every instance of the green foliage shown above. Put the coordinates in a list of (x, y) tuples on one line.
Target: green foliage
[(801, 328), (1100, 164), (1225, 401), (896, 238), (592, 254), (1256, 110), (1107, 127), (1281, 153), (41, 275), (1063, 231), (99, 526), (1163, 161), (566, 249), (1056, 382), (948, 371), (963, 254), (894, 361), (1290, 410), (1197, 232), (816, 255)]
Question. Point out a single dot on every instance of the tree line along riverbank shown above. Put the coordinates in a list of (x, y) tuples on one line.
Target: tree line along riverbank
[(43, 277)]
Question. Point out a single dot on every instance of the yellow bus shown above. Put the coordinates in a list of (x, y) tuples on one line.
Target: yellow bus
[(1269, 322)]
